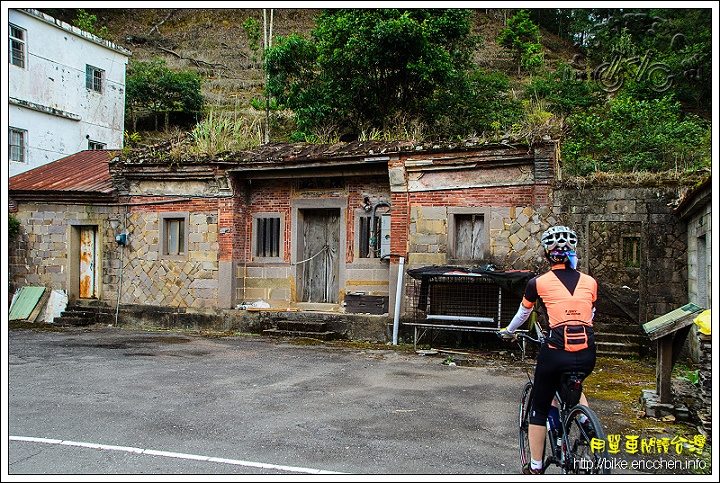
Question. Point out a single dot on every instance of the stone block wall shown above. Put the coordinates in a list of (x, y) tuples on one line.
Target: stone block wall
[(150, 278), (40, 255)]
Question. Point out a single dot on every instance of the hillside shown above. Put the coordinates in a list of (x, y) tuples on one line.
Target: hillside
[(215, 43)]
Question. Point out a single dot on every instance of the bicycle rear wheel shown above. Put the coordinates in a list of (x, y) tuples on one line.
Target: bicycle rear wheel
[(585, 443)]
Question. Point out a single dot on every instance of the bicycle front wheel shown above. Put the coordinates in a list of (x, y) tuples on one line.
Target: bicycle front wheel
[(585, 443), (524, 422)]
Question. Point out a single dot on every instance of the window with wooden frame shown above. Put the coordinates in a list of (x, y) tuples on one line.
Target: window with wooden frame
[(16, 145), (17, 51), (267, 235), (468, 234), (174, 235), (94, 78)]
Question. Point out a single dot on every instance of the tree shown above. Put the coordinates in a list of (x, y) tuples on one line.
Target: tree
[(365, 68), (86, 22), (152, 86), (522, 38)]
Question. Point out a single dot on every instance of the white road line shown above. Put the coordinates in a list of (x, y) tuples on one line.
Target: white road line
[(169, 454)]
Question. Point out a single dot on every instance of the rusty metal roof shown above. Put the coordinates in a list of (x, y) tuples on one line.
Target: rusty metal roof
[(85, 172)]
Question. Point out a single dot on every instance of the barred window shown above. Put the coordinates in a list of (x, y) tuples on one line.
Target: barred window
[(17, 46), (95, 144), (94, 78), (16, 145), (365, 235), (631, 252), (267, 236)]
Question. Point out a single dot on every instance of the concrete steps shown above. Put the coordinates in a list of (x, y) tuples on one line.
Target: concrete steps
[(80, 315), (619, 345)]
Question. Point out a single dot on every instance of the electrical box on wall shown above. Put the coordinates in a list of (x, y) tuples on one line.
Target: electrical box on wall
[(385, 236)]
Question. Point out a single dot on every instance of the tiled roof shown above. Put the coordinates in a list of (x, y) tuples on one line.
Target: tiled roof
[(85, 172)]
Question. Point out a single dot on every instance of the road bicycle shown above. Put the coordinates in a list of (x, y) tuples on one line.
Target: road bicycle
[(576, 442)]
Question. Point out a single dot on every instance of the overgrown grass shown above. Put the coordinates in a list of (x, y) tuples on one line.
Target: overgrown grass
[(219, 133)]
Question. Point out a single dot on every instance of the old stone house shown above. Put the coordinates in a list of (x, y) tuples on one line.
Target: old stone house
[(183, 240)]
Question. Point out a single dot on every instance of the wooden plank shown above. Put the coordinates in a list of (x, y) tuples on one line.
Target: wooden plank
[(672, 321), (39, 307), (664, 369)]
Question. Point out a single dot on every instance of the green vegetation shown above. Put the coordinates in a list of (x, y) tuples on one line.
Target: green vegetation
[(219, 133), (86, 22), (621, 90), (629, 135), (368, 70), (153, 87), (522, 38), (13, 226)]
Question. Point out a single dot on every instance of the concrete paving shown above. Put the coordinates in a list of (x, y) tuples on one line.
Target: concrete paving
[(111, 401)]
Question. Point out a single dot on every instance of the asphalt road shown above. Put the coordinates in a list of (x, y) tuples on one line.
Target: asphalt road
[(113, 401)]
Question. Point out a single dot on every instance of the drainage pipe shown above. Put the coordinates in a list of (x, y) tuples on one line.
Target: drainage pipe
[(122, 263), (398, 299)]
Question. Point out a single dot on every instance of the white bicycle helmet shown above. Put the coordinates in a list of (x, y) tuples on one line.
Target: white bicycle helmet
[(559, 238), (559, 243)]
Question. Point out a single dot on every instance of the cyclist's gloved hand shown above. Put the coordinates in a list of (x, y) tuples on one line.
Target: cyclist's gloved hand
[(504, 334)]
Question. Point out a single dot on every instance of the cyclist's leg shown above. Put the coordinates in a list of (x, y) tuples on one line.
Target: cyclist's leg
[(546, 381)]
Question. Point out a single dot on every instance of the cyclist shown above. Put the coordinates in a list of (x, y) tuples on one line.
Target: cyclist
[(569, 298)]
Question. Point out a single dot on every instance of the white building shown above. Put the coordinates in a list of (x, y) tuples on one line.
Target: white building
[(66, 90)]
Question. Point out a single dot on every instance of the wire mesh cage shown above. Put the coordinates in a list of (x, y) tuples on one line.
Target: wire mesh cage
[(456, 296)]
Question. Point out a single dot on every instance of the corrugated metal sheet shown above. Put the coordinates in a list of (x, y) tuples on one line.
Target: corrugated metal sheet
[(86, 171), (25, 302)]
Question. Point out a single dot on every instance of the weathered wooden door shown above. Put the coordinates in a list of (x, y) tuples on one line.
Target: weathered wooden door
[(87, 262), (321, 251)]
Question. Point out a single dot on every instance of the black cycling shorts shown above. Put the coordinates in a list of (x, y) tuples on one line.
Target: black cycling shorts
[(551, 363)]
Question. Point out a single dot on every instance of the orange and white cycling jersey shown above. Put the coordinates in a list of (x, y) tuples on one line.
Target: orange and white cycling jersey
[(569, 297)]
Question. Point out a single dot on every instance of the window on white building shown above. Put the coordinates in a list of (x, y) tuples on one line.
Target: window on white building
[(16, 145), (17, 46), (95, 144), (94, 78)]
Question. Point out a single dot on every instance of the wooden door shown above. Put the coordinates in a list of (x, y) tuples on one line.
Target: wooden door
[(321, 252)]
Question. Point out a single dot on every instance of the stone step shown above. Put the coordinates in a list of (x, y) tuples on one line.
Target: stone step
[(66, 320), (620, 337), (617, 349), (327, 335), (79, 315), (302, 326)]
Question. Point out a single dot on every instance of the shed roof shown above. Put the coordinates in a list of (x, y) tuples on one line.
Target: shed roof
[(81, 174)]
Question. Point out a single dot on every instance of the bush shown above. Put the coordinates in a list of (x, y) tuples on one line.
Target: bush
[(13, 227)]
